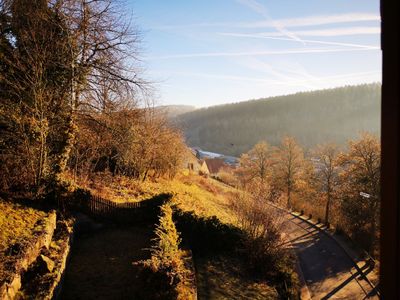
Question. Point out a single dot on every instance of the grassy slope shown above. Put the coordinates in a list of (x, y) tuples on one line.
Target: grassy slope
[(205, 196), (219, 277), (17, 227)]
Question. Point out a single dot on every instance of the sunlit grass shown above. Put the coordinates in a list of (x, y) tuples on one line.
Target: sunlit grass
[(17, 222), (205, 196), (221, 278), (18, 225)]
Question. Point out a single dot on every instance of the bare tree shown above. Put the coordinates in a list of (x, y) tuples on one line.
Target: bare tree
[(60, 61), (103, 47), (289, 164), (260, 157), (256, 164), (327, 168), (262, 225), (104, 50)]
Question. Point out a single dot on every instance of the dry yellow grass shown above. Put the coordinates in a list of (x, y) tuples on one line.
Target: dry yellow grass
[(18, 225), (206, 196)]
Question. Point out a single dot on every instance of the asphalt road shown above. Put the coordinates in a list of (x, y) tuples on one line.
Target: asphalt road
[(328, 271)]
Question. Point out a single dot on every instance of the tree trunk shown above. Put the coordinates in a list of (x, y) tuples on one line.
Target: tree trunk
[(328, 203), (62, 158)]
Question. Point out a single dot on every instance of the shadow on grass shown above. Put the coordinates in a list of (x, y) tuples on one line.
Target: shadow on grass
[(207, 235), (101, 265), (209, 238), (222, 277)]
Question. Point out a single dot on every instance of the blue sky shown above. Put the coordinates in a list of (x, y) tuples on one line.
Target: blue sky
[(209, 52)]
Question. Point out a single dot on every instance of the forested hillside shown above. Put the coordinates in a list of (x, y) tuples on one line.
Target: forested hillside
[(173, 111), (333, 115)]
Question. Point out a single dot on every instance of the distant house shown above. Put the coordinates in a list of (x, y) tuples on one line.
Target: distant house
[(212, 166), (191, 162)]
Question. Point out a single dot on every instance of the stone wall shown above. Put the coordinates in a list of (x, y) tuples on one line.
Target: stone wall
[(13, 284)]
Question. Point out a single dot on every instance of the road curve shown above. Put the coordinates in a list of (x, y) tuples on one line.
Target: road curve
[(328, 271)]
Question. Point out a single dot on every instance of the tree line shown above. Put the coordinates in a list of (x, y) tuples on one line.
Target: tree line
[(73, 100), (338, 186)]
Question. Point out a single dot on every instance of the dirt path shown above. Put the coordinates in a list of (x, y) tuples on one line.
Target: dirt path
[(101, 264), (328, 271)]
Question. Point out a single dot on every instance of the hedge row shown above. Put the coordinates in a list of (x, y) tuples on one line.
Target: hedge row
[(166, 271)]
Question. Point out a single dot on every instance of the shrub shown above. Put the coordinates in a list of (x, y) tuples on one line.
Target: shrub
[(228, 178), (207, 235), (165, 270), (286, 279), (263, 244), (166, 250)]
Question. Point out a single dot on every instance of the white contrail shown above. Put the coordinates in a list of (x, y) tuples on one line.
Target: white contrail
[(343, 31), (314, 80), (261, 36), (294, 72), (314, 20), (262, 10), (289, 22), (262, 53)]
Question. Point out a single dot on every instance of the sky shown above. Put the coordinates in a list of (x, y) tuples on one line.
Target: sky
[(211, 52)]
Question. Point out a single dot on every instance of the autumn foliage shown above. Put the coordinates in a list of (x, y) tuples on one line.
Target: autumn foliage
[(72, 100), (337, 186)]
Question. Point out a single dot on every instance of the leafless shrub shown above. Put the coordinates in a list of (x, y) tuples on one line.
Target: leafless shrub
[(262, 223)]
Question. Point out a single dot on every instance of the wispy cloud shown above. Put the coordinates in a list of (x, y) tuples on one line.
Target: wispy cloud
[(313, 20), (292, 73), (289, 22), (343, 31), (264, 36), (262, 53), (262, 10), (307, 81)]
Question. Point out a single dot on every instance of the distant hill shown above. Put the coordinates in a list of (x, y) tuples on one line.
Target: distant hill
[(173, 111), (334, 115)]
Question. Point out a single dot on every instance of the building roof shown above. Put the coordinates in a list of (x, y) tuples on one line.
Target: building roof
[(214, 165)]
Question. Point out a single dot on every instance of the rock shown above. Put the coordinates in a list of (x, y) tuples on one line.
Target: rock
[(45, 263)]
